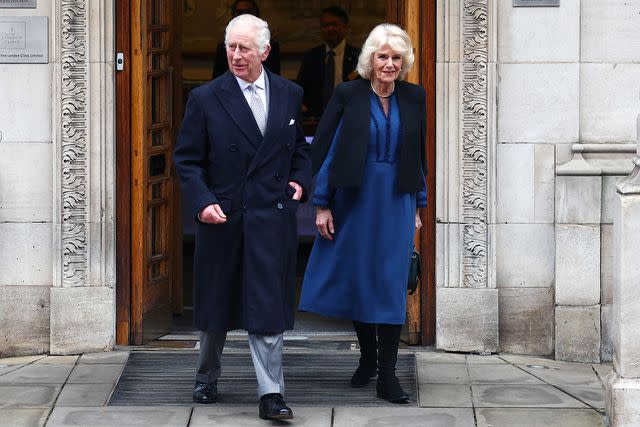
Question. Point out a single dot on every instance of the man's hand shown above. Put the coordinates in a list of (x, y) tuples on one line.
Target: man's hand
[(418, 220), (324, 222), (212, 214), (298, 194)]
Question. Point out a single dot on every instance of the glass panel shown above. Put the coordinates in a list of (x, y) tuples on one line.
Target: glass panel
[(156, 12), (156, 61), (157, 165), (157, 39), (157, 137), (157, 190), (155, 271), (156, 230), (158, 99)]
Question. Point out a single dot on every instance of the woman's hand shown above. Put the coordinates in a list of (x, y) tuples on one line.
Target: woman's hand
[(418, 220), (324, 222)]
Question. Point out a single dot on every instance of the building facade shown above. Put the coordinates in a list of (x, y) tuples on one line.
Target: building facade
[(535, 123)]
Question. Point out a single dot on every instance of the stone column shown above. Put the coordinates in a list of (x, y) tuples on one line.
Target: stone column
[(83, 293), (623, 383), (466, 294)]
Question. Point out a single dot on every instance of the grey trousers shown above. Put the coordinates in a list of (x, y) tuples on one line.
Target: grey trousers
[(266, 353)]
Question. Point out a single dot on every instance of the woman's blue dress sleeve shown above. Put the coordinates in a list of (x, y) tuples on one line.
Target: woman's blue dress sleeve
[(421, 196), (323, 193)]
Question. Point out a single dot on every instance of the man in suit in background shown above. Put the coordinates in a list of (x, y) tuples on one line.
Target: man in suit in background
[(244, 166), (220, 65), (329, 64)]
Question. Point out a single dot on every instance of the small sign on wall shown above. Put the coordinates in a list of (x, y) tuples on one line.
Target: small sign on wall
[(536, 3), (24, 39), (18, 4)]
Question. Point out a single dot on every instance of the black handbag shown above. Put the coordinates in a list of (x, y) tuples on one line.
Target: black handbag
[(415, 272)]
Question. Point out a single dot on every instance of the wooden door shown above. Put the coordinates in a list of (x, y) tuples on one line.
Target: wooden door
[(153, 221), (417, 17)]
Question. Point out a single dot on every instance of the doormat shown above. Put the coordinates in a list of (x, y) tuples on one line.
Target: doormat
[(166, 378)]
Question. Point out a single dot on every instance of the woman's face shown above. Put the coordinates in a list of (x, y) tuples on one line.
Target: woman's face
[(386, 65)]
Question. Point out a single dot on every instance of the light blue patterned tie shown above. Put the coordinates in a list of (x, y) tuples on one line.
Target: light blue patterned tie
[(255, 103)]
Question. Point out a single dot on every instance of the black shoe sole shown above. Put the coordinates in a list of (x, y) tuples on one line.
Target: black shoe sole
[(277, 417), (205, 402), (400, 400)]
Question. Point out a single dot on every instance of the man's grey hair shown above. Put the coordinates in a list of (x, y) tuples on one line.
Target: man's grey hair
[(262, 36), (386, 34)]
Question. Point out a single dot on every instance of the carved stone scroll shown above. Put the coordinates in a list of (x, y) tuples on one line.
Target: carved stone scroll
[(74, 141), (474, 143)]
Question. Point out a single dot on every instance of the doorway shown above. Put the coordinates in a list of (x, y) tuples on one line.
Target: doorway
[(168, 48)]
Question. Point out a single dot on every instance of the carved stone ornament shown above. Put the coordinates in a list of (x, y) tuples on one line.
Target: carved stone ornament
[(74, 141), (474, 144)]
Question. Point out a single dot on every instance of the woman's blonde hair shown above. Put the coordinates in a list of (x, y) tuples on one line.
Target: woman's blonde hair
[(381, 35)]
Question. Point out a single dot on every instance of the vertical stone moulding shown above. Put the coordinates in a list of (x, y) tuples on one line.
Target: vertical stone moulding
[(74, 142), (475, 327)]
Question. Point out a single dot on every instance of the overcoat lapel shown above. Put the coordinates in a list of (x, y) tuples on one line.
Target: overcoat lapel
[(233, 100), (275, 120)]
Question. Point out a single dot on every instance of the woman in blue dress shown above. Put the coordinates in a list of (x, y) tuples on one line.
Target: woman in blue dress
[(368, 153)]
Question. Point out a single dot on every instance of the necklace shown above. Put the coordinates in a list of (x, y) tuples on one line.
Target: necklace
[(383, 96)]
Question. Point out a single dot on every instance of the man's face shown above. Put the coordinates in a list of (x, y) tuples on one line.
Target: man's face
[(245, 7), (332, 29), (244, 59)]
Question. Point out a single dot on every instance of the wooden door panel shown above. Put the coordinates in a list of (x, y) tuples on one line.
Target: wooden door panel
[(152, 225)]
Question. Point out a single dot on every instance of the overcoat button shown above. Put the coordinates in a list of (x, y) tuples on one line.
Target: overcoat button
[(280, 206), (277, 176), (289, 146), (233, 147)]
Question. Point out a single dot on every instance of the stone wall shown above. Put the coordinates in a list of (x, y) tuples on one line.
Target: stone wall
[(568, 82), (56, 186), (26, 202)]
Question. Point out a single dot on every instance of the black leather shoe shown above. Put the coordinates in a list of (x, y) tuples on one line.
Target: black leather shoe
[(388, 388), (205, 393), (273, 407), (363, 375)]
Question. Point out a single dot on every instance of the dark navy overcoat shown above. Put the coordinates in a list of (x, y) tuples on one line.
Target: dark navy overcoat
[(244, 269)]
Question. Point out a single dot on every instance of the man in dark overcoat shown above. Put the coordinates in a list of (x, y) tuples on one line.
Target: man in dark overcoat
[(329, 64), (244, 167)]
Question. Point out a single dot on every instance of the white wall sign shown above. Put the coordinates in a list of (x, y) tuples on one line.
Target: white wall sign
[(18, 4), (536, 3), (24, 39)]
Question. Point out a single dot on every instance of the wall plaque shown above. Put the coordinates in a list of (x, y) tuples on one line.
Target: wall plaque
[(24, 39), (536, 3), (18, 4)]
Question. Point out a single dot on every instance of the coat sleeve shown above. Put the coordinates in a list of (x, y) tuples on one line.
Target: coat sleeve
[(305, 78), (323, 193), (300, 170), (421, 196), (190, 158), (220, 64)]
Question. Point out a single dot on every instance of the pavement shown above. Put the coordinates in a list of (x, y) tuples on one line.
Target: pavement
[(453, 390)]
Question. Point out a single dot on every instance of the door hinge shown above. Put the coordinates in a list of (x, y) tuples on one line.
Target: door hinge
[(119, 61)]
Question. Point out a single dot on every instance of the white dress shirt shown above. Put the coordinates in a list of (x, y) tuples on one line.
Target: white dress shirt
[(339, 59), (262, 88)]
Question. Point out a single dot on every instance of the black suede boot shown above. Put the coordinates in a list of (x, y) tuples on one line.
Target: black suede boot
[(367, 367), (388, 387)]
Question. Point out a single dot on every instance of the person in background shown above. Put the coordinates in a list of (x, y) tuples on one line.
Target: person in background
[(244, 167), (328, 64), (368, 152), (272, 63)]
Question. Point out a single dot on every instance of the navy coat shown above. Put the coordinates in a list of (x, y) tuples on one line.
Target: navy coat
[(311, 74), (244, 269)]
